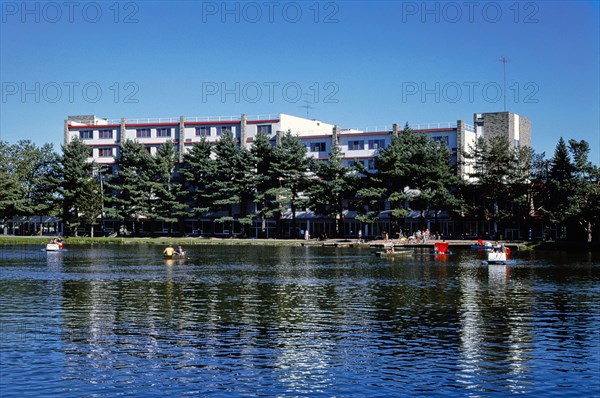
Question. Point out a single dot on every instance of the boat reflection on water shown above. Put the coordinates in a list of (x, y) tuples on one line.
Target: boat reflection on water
[(442, 257), (498, 273), (489, 337)]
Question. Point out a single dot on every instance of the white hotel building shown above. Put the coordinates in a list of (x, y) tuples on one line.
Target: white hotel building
[(105, 136)]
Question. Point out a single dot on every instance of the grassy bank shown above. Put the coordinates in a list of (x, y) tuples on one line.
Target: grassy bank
[(163, 241), (36, 240)]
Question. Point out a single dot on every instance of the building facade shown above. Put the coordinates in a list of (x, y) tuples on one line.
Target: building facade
[(105, 137)]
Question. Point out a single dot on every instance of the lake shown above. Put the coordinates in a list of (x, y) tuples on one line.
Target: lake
[(249, 321)]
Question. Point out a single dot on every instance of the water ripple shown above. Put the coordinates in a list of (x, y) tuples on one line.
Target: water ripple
[(103, 322)]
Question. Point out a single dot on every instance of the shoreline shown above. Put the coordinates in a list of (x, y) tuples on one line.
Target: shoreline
[(339, 243)]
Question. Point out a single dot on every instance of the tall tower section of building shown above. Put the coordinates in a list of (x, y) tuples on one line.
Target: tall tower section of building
[(515, 127)]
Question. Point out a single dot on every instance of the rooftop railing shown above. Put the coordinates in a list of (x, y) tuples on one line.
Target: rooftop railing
[(418, 126), (235, 118)]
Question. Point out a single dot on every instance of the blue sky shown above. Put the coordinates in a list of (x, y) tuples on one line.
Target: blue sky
[(356, 64)]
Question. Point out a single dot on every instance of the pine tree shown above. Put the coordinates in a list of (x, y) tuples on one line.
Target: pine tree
[(76, 170), (413, 173), (196, 171), (558, 192), (265, 183), (289, 168), (232, 183), (332, 185), (585, 207), (500, 177), (37, 169), (168, 206), (132, 185), (89, 203), (12, 200)]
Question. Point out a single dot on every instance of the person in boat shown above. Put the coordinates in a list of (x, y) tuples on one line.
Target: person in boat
[(390, 250), (169, 251), (179, 251)]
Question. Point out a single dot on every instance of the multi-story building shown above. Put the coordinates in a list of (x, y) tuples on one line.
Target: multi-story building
[(106, 136)]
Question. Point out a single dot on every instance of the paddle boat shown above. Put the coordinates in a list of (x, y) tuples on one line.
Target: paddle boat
[(169, 252), (391, 253), (499, 257), (54, 246), (175, 255), (441, 248), (400, 253)]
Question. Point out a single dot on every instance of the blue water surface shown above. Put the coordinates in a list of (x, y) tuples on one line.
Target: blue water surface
[(267, 321)]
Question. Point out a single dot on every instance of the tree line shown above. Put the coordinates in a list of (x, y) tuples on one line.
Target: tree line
[(505, 184)]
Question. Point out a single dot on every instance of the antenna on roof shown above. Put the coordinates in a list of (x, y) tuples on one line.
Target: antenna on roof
[(504, 61), (307, 106)]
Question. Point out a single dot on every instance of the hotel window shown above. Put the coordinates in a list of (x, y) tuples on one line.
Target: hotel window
[(142, 133), (163, 132), (356, 145), (86, 134), (263, 128), (376, 144), (352, 163), (443, 141), (317, 147), (222, 129), (105, 134), (203, 131), (105, 152)]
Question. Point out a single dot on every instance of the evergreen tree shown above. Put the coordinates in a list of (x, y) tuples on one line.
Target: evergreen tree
[(265, 183), (586, 204), (557, 195), (414, 171), (12, 201), (89, 203), (397, 167), (333, 184), (500, 178), (370, 193), (168, 193), (196, 171), (38, 171), (76, 170), (132, 185), (289, 169), (232, 183)]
